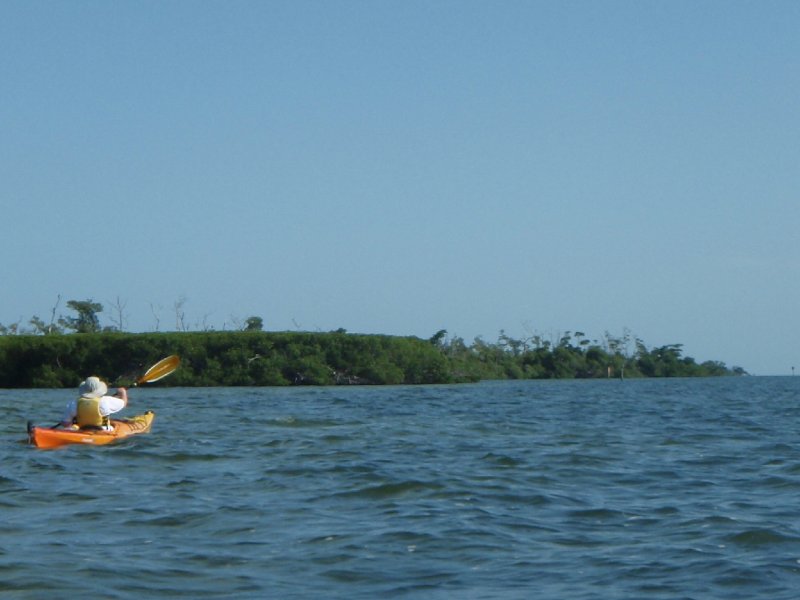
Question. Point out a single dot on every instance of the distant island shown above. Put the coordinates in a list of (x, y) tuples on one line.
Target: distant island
[(62, 352), (258, 358)]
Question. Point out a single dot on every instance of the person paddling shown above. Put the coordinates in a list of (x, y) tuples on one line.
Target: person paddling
[(91, 410)]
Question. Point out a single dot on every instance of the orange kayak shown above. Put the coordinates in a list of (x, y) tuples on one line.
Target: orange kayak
[(54, 437)]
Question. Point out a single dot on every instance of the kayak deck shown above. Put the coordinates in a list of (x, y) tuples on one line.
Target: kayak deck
[(54, 437)]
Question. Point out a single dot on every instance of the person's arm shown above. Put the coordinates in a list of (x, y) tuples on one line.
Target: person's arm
[(122, 393), (69, 413), (112, 404)]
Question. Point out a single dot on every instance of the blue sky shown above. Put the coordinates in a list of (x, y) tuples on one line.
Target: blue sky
[(404, 167)]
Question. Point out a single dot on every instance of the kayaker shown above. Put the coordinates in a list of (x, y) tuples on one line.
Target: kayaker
[(91, 410)]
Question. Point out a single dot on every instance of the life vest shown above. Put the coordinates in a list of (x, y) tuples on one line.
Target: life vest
[(88, 414)]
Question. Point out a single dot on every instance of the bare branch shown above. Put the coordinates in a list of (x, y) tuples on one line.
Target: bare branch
[(155, 314), (118, 309), (180, 315)]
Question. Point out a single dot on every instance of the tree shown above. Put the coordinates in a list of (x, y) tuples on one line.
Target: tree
[(180, 315), (156, 315), (254, 324), (87, 320), (509, 344), (13, 329), (43, 328), (438, 339), (118, 308)]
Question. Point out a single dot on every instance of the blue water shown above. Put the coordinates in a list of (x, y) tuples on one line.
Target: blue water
[(564, 490)]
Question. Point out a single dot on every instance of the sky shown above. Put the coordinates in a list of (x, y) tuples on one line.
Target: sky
[(402, 167)]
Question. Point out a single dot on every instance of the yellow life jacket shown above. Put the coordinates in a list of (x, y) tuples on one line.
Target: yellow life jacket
[(88, 413)]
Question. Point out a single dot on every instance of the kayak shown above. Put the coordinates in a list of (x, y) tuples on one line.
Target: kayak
[(54, 437)]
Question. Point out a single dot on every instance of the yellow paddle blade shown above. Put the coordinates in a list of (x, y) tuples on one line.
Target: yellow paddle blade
[(161, 369)]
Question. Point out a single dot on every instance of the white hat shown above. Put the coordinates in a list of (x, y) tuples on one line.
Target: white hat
[(93, 388)]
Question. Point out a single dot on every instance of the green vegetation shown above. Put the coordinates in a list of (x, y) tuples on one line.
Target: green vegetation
[(48, 356), (257, 358), (221, 358), (571, 356)]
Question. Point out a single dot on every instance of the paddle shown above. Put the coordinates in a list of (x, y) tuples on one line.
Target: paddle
[(160, 370)]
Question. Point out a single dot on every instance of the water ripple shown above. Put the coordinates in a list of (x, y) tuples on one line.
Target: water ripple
[(579, 490)]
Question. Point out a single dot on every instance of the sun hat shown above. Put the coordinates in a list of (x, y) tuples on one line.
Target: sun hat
[(92, 388)]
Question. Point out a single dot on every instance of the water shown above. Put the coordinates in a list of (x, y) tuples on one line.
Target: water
[(589, 489)]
